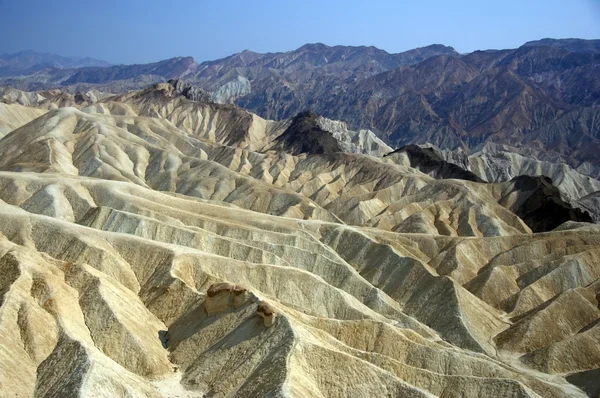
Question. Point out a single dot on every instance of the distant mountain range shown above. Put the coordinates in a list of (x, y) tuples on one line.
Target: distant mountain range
[(29, 62), (542, 97)]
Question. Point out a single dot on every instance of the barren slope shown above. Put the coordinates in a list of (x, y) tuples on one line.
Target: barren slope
[(154, 246)]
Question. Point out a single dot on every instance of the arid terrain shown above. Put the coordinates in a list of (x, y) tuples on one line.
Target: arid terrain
[(152, 245), (543, 96)]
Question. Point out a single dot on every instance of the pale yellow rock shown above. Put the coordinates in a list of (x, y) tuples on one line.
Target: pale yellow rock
[(152, 246), (267, 313), (224, 296)]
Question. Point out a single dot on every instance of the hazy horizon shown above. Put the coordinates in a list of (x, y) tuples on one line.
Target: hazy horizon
[(142, 32)]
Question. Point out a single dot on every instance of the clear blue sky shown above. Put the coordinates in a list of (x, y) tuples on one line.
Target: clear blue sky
[(132, 31)]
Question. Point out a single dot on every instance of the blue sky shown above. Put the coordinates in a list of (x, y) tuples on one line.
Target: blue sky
[(132, 31)]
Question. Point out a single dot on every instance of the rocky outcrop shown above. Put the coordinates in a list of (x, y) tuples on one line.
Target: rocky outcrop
[(430, 162), (190, 91), (267, 312), (310, 133), (591, 204), (224, 296), (362, 141), (501, 163), (305, 135), (539, 203), (90, 97), (230, 91)]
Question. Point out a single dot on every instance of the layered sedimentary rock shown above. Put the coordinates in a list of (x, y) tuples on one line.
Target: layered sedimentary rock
[(539, 203), (430, 162), (221, 297), (501, 163), (190, 91), (155, 246)]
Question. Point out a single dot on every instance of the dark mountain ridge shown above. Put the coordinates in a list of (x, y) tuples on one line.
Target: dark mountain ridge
[(571, 44), (304, 135), (432, 163), (541, 205), (544, 95)]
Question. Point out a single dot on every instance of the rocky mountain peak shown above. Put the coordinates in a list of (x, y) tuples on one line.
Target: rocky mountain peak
[(305, 135), (315, 47), (190, 91)]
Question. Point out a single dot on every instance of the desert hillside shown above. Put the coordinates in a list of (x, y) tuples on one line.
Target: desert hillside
[(153, 245)]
